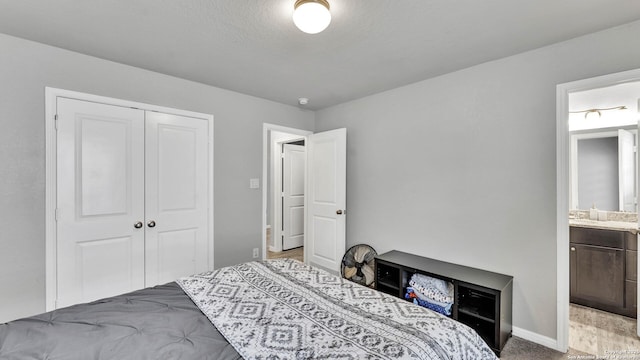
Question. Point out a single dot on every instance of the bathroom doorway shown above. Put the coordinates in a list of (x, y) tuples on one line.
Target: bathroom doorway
[(597, 200)]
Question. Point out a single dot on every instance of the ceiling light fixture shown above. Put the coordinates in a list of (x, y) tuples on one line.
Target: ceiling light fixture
[(311, 16), (597, 111)]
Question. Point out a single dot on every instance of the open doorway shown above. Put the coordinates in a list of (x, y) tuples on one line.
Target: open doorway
[(597, 214), (325, 193), (284, 171), (287, 190)]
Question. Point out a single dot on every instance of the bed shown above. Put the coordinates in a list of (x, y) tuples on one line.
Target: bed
[(275, 309)]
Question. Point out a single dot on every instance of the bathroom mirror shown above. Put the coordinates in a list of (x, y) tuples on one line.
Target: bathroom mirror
[(603, 170)]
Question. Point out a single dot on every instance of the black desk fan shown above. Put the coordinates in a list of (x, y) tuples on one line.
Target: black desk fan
[(358, 264)]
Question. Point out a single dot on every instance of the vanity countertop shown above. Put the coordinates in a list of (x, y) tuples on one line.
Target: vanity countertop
[(607, 225)]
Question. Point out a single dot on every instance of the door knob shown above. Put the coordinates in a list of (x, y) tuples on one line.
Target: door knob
[(138, 225), (339, 212), (151, 223), (573, 249)]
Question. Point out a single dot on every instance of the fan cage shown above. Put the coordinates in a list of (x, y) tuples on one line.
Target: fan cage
[(358, 265)]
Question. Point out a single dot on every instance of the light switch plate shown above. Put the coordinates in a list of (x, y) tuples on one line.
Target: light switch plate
[(254, 183)]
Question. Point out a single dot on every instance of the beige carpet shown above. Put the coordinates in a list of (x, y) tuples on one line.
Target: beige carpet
[(520, 349)]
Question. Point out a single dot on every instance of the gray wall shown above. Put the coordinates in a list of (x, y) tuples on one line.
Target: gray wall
[(462, 167), (598, 174), (27, 67)]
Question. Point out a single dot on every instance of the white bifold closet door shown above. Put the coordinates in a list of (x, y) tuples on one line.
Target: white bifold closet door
[(131, 199)]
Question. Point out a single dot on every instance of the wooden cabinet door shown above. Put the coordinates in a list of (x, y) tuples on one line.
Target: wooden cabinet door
[(632, 265), (597, 274)]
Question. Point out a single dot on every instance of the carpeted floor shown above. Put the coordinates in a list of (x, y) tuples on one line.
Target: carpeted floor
[(520, 349)]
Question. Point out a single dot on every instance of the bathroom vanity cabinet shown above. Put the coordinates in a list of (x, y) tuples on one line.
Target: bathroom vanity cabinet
[(603, 269)]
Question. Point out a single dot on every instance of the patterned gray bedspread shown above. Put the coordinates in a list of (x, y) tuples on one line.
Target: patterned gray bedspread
[(283, 309), (153, 323)]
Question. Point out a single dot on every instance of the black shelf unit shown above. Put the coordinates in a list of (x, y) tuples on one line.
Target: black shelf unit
[(482, 299), (387, 280)]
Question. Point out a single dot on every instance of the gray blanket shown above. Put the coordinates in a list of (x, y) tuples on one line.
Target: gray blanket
[(153, 323)]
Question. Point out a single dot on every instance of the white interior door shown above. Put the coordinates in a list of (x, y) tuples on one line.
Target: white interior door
[(100, 179), (275, 186), (294, 157), (176, 197), (326, 199), (627, 170)]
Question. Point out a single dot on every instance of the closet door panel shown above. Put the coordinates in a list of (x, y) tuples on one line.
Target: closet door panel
[(176, 197), (100, 167), (176, 254)]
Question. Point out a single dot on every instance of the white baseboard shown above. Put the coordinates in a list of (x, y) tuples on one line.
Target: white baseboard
[(535, 338)]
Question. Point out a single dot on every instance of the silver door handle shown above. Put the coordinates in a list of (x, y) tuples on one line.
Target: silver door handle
[(151, 223), (138, 225), (573, 249), (339, 212)]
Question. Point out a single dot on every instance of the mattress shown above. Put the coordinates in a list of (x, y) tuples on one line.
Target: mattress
[(154, 323)]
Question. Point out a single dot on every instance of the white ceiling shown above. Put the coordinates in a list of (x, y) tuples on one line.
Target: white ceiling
[(252, 46)]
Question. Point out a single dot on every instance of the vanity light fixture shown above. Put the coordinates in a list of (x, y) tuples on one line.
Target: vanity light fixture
[(311, 16), (598, 111)]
